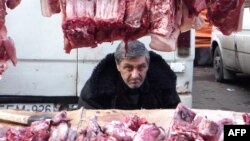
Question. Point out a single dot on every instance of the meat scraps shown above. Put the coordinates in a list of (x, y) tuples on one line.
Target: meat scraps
[(56, 129), (133, 128), (186, 125)]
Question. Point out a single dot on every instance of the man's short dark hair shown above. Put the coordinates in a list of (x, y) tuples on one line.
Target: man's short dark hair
[(134, 49)]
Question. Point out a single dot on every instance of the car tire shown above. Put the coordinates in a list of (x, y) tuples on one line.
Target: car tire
[(221, 74), (218, 65)]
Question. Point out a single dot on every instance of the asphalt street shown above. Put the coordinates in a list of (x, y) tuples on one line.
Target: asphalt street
[(233, 95)]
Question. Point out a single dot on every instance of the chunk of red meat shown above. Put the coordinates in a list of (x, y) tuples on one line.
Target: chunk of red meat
[(208, 129), (109, 20), (162, 15), (150, 132), (38, 131), (187, 125), (3, 13), (195, 6), (50, 7), (246, 118), (78, 28), (114, 20), (184, 114), (118, 130), (225, 14), (136, 19), (134, 122), (7, 47), (93, 130), (12, 3)]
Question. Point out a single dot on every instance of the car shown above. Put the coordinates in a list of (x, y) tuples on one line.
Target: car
[(231, 53)]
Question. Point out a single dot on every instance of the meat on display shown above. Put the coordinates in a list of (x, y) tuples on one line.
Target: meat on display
[(186, 124)]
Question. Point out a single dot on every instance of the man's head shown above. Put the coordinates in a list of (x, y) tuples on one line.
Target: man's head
[(132, 62)]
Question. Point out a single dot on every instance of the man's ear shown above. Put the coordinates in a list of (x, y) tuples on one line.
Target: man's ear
[(118, 67)]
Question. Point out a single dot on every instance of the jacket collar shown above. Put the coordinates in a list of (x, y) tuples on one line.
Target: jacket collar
[(105, 76)]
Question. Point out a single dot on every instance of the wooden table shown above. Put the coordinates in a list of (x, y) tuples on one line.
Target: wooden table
[(162, 117)]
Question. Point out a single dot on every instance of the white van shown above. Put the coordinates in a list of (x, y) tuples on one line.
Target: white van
[(48, 79), (231, 54)]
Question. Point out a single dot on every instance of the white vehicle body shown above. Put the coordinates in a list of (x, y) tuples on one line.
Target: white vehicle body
[(234, 50), (46, 75)]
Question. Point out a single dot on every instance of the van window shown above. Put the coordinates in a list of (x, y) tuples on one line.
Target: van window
[(246, 21)]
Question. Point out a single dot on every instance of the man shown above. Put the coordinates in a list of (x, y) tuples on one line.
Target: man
[(130, 78)]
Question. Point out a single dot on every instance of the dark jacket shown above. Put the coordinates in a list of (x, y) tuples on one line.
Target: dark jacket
[(105, 88)]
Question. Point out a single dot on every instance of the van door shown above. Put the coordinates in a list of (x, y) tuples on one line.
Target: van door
[(43, 70)]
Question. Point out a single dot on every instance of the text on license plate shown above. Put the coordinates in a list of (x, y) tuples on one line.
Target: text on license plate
[(29, 107)]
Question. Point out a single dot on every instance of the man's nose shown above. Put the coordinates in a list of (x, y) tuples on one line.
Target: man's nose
[(135, 73)]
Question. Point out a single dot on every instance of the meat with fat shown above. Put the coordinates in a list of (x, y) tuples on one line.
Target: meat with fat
[(150, 132), (91, 22), (7, 47), (110, 20), (225, 14), (50, 7), (187, 125), (56, 129)]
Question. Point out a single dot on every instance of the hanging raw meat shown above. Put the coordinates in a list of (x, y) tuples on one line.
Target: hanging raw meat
[(50, 7), (12, 3), (7, 48), (87, 23), (225, 14)]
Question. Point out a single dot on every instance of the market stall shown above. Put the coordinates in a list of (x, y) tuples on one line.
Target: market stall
[(181, 123), (171, 121)]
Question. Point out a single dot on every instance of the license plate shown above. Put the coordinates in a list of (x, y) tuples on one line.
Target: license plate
[(29, 107)]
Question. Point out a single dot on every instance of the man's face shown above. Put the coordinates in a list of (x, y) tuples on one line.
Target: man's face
[(133, 71)]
